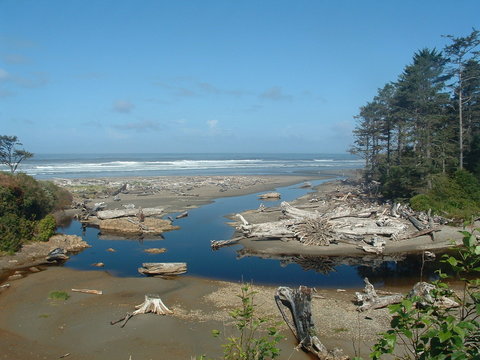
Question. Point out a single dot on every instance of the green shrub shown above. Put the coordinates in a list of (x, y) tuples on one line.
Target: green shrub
[(257, 336), (24, 207), (45, 228), (14, 231), (429, 331), (58, 295), (457, 197)]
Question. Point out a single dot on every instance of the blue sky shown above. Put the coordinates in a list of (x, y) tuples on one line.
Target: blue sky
[(206, 76)]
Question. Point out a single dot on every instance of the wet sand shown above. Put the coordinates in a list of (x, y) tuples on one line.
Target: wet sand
[(36, 327)]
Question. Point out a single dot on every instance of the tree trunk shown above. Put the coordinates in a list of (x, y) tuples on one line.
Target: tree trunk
[(301, 322)]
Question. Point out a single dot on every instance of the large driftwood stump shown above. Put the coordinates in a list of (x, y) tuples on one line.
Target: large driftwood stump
[(152, 304), (301, 322), (163, 269)]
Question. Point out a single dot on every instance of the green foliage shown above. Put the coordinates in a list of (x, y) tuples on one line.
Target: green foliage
[(457, 196), (428, 331), (400, 182), (14, 231), (9, 154), (58, 295), (24, 207), (257, 336), (46, 228)]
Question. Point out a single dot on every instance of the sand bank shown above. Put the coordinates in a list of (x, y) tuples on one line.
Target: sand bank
[(32, 326)]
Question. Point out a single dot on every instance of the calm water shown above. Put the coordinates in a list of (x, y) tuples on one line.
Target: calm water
[(191, 244), (45, 166)]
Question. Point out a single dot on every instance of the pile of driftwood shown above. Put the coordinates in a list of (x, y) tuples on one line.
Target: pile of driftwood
[(369, 299), (366, 225)]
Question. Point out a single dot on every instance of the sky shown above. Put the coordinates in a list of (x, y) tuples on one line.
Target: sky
[(203, 76)]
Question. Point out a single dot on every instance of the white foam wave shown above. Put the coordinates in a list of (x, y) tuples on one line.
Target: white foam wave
[(103, 168)]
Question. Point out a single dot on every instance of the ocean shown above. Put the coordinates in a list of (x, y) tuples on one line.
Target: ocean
[(47, 166)]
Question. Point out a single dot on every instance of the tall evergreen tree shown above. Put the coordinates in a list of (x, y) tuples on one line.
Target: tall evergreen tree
[(461, 52)]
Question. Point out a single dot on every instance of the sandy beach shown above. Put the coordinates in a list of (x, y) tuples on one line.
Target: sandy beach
[(32, 326)]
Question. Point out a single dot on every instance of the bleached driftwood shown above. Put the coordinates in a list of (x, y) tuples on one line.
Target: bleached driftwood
[(142, 227), (152, 304), (155, 250), (300, 321), (275, 229), (113, 214), (370, 300), (88, 291), (270, 195), (296, 213), (163, 268), (421, 291), (374, 245), (217, 244), (182, 215)]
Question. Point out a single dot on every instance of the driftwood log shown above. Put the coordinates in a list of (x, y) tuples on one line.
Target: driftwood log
[(300, 320), (182, 215), (421, 291), (370, 300), (217, 244), (152, 304), (163, 269), (88, 291), (113, 214), (270, 195)]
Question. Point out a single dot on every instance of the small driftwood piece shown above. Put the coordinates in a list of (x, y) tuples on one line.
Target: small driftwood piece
[(139, 223), (370, 300), (152, 304), (182, 215), (217, 244), (270, 195), (300, 321), (155, 250), (420, 233), (88, 291), (163, 269)]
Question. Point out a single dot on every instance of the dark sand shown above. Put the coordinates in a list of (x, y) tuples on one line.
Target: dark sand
[(35, 327)]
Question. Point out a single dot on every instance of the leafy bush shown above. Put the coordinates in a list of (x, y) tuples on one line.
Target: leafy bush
[(14, 231), (23, 202), (45, 228), (457, 197), (428, 331), (257, 337)]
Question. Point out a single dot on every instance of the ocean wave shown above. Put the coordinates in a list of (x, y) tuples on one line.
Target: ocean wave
[(147, 166)]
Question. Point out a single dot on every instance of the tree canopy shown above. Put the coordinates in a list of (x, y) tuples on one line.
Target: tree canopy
[(426, 123), (9, 154)]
